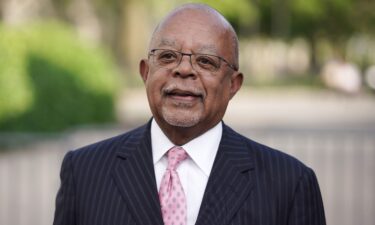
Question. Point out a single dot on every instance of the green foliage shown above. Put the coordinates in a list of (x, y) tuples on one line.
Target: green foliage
[(331, 19), (309, 9), (50, 80), (241, 14)]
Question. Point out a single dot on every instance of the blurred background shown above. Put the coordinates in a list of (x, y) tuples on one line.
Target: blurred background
[(69, 77)]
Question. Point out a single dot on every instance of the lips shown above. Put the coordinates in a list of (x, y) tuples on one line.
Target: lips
[(183, 94)]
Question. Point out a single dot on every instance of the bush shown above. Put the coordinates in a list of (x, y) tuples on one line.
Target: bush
[(51, 80)]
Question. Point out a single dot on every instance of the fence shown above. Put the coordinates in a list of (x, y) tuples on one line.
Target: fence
[(343, 160)]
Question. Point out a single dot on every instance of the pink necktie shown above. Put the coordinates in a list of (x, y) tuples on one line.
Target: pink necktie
[(171, 194)]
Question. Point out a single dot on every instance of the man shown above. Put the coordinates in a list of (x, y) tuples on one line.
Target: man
[(185, 166)]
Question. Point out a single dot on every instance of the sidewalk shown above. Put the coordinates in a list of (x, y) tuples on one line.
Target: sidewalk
[(276, 108)]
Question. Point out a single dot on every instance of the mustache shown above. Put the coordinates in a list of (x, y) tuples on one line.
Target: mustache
[(178, 88)]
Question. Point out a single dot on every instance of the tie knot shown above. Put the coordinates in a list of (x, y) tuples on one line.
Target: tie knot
[(175, 156)]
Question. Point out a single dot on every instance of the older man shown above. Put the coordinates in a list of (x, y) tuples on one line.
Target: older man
[(185, 166)]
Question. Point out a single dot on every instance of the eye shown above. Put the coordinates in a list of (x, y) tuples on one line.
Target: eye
[(207, 62), (166, 56)]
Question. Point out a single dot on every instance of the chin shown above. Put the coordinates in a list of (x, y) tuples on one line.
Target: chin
[(181, 119)]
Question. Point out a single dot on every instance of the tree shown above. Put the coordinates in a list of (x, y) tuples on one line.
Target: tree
[(333, 20)]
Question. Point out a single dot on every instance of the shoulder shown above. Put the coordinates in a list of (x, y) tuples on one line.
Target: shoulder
[(108, 147), (268, 159)]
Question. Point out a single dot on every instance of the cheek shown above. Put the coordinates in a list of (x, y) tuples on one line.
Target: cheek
[(154, 84), (153, 88), (221, 86), (218, 93)]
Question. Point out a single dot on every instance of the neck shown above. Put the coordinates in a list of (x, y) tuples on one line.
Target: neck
[(182, 135)]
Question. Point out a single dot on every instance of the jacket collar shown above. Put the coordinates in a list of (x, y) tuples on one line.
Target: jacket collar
[(135, 177), (230, 182)]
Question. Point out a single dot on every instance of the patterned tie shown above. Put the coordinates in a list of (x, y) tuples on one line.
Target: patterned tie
[(171, 194)]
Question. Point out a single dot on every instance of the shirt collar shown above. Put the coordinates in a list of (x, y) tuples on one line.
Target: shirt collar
[(202, 150)]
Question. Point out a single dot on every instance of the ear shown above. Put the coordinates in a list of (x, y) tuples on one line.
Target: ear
[(143, 69), (236, 83)]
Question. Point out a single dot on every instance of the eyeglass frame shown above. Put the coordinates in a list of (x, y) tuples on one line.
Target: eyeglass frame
[(233, 67)]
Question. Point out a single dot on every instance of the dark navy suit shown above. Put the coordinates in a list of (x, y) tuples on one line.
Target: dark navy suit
[(113, 182)]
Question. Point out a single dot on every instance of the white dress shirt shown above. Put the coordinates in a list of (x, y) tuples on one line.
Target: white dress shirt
[(195, 170)]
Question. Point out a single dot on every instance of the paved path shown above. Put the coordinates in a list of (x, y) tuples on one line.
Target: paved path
[(277, 108)]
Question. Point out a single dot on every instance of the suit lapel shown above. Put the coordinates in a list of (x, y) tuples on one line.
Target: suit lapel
[(230, 182), (135, 177)]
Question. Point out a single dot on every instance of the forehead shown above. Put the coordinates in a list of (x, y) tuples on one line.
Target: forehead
[(192, 30)]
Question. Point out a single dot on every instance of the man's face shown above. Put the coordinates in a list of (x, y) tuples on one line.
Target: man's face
[(185, 95)]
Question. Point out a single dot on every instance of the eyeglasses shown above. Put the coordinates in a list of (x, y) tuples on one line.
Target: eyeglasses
[(170, 59)]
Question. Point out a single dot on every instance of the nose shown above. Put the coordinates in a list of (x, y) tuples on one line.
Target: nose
[(185, 68)]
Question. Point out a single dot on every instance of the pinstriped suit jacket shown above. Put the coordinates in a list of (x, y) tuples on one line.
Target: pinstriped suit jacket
[(113, 182)]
